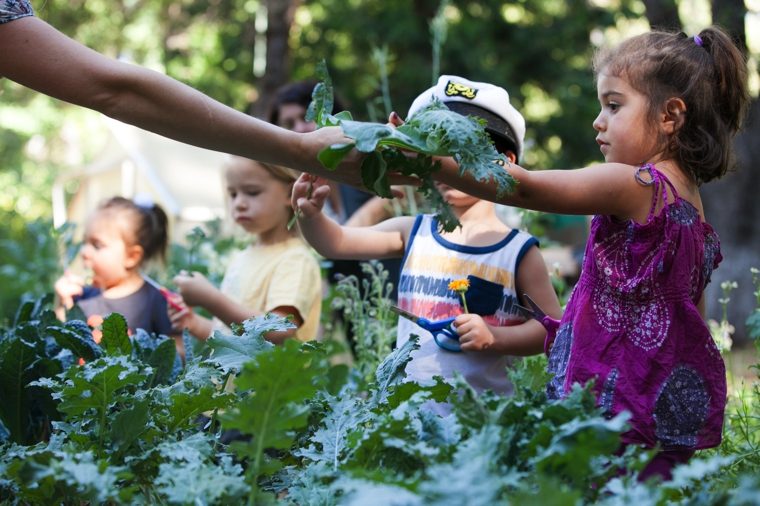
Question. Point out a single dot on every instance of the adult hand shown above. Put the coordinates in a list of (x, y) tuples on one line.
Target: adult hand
[(474, 334), (349, 170), (194, 288)]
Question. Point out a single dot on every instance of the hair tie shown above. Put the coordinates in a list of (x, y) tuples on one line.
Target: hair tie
[(143, 201), (698, 40)]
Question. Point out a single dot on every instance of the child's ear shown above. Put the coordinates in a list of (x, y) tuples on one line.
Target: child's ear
[(673, 116), (134, 256)]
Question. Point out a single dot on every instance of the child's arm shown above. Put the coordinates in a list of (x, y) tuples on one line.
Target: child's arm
[(606, 188), (196, 290), (331, 240), (185, 318), (522, 340), (526, 338), (67, 287)]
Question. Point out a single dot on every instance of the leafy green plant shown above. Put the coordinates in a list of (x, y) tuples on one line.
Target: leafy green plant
[(723, 330), (31, 256), (36, 346), (753, 320), (366, 308), (434, 131)]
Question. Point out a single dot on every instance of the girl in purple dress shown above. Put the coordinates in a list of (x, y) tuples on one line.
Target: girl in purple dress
[(634, 325)]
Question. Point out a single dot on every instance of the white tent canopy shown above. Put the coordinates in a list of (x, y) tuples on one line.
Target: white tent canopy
[(185, 180)]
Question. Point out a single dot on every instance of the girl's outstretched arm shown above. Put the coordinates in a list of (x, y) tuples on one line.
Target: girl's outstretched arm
[(606, 188), (331, 240)]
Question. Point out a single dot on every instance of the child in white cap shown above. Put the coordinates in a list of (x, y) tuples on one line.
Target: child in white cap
[(501, 264)]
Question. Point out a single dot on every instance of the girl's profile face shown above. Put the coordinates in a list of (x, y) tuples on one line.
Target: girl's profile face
[(105, 252), (624, 133), (258, 201)]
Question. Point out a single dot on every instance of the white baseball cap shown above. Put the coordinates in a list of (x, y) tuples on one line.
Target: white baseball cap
[(483, 100)]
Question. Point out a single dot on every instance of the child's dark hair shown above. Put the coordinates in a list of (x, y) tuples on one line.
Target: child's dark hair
[(147, 221), (298, 92), (708, 72)]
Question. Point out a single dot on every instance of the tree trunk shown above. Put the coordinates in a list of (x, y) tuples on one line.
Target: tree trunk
[(732, 207), (662, 14), (279, 19), (731, 204), (730, 15)]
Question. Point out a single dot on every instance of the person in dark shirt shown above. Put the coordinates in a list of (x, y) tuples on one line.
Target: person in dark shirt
[(121, 236)]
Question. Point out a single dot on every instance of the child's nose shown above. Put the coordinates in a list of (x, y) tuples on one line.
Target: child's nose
[(598, 124), (239, 202)]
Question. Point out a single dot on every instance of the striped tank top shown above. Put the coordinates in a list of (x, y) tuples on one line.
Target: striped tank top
[(430, 263)]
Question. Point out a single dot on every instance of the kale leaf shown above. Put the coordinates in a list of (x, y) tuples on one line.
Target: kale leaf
[(434, 131)]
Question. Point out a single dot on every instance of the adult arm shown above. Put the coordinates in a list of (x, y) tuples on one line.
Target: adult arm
[(48, 61)]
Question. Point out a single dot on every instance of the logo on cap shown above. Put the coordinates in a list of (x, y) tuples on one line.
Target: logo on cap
[(460, 90)]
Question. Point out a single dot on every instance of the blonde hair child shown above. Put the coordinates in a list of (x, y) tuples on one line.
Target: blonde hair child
[(277, 273)]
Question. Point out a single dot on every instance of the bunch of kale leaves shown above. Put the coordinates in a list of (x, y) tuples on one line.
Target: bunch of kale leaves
[(434, 131)]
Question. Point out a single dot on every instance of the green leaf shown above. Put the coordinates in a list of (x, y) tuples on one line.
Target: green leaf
[(115, 338), (576, 444), (229, 352), (17, 359), (329, 443), (281, 380), (322, 100), (56, 477), (80, 345), (331, 156), (162, 360), (201, 482), (391, 371), (375, 175), (185, 407), (473, 476), (94, 386), (358, 492), (128, 424)]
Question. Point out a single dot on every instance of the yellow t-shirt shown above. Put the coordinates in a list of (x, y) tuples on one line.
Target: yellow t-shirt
[(263, 277)]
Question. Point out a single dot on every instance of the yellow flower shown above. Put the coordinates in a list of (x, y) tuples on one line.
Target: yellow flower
[(459, 285)]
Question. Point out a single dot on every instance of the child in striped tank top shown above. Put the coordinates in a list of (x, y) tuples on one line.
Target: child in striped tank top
[(501, 263)]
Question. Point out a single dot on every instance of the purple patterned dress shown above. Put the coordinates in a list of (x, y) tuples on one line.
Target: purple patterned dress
[(632, 325), (14, 9)]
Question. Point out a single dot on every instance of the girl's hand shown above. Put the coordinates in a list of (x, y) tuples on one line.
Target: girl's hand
[(67, 287), (194, 288), (474, 334), (182, 316), (309, 195)]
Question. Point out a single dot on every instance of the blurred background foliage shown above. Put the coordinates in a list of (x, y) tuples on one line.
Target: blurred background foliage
[(381, 53)]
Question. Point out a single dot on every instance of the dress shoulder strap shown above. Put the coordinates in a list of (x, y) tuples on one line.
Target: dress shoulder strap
[(660, 184)]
